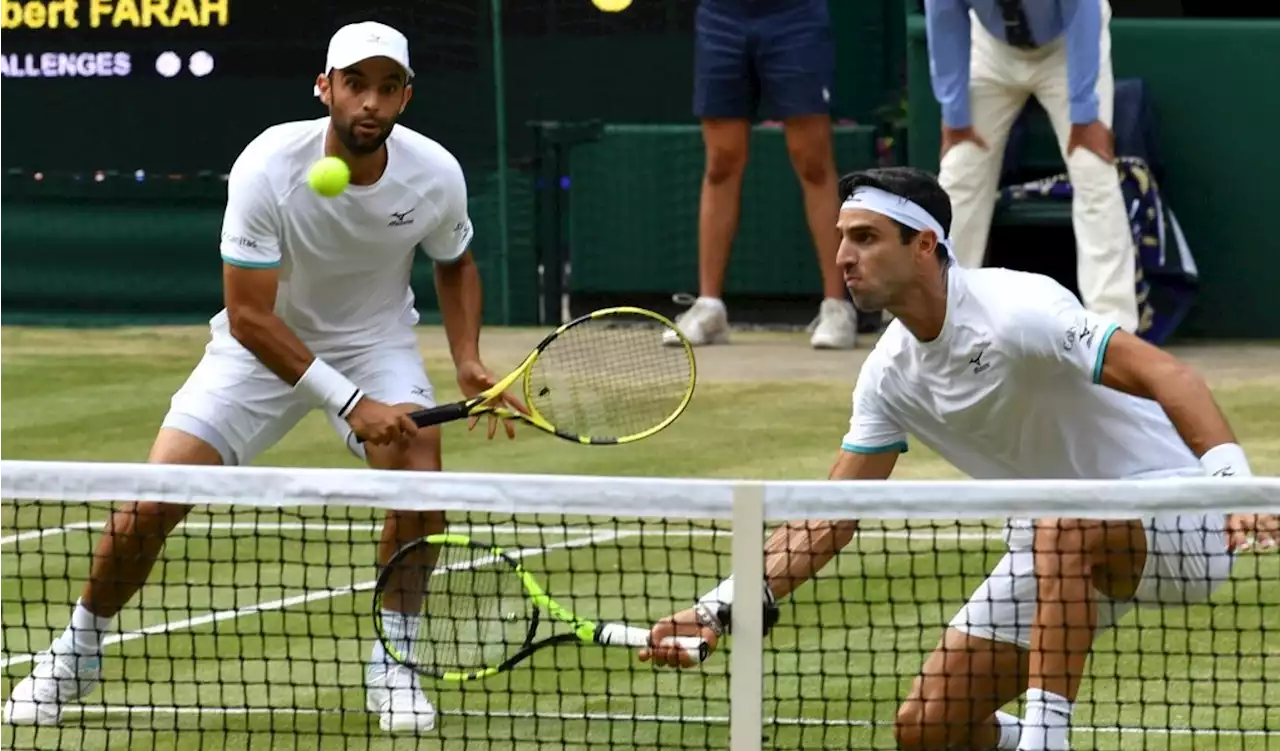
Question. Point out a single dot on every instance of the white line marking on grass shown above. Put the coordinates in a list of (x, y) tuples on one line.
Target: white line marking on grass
[(908, 534), (309, 597), (36, 534), (112, 709), (321, 527), (924, 533), (326, 527), (336, 527)]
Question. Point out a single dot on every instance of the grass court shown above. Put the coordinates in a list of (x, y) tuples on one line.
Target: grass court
[(254, 628)]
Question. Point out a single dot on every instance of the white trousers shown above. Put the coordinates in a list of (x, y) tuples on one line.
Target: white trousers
[(1000, 80)]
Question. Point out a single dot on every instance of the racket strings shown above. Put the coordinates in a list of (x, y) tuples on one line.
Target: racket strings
[(610, 377), (474, 614)]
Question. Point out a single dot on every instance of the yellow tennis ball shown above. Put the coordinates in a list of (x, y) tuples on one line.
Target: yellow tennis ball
[(612, 6), (329, 176)]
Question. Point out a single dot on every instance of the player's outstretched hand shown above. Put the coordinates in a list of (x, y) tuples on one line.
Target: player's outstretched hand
[(381, 424), (474, 378), (684, 623), (1247, 531)]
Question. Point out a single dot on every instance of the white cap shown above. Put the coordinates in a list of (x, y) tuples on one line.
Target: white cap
[(361, 41)]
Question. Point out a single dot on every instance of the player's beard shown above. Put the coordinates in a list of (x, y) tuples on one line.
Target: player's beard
[(361, 145)]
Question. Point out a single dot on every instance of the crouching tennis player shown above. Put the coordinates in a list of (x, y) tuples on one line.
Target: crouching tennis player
[(1006, 375)]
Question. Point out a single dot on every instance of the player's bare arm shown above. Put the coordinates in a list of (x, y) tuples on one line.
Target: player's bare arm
[(250, 297), (1136, 367), (461, 301), (794, 554)]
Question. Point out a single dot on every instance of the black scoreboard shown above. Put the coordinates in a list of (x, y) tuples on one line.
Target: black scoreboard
[(177, 40), (113, 39), (183, 85)]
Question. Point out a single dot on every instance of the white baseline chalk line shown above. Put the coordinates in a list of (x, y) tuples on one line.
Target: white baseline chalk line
[(931, 533), (111, 709), (309, 597)]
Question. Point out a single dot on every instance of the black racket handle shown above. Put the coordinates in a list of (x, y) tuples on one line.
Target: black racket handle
[(425, 418)]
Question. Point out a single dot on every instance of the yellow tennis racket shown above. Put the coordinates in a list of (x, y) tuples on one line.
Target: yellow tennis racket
[(484, 614), (604, 378)]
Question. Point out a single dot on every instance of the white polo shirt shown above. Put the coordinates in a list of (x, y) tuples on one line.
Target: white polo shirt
[(1010, 389), (344, 262)]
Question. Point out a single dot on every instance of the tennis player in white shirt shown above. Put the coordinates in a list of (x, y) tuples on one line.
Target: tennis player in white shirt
[(1006, 375), (319, 315)]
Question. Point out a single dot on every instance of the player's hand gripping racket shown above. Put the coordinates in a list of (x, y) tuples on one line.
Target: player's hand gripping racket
[(604, 378), (483, 613)]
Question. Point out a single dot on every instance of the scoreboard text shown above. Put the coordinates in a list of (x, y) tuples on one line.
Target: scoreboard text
[(113, 14)]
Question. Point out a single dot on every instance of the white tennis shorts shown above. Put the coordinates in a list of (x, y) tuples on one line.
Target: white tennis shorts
[(1187, 560), (236, 404)]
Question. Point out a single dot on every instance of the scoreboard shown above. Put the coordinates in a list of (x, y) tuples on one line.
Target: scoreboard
[(180, 85), (112, 38), (151, 85), (164, 39)]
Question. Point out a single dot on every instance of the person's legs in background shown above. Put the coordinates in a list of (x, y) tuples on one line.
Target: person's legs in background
[(971, 173), (795, 58), (1106, 257), (725, 94)]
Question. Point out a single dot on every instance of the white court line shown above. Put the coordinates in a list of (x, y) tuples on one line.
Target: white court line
[(36, 534), (273, 605), (336, 527), (930, 533), (109, 709), (326, 527)]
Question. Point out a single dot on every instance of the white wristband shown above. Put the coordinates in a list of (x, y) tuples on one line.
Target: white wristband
[(721, 595), (326, 387), (715, 608), (1226, 460)]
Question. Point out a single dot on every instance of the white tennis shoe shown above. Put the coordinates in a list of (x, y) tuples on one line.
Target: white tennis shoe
[(396, 696), (705, 322), (55, 680), (836, 326)]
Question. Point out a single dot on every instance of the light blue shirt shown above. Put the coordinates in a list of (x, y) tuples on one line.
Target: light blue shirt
[(1079, 21)]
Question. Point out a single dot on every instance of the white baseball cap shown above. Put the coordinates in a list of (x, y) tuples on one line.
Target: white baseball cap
[(361, 41)]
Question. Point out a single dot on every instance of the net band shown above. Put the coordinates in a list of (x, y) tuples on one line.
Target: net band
[(681, 498)]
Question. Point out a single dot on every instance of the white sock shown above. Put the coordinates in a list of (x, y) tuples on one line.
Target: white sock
[(401, 629), (712, 300), (1046, 723), (1010, 731), (84, 634)]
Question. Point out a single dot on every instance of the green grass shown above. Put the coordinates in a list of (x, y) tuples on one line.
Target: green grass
[(297, 668)]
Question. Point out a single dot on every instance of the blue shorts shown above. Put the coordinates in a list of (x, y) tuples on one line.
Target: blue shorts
[(763, 58)]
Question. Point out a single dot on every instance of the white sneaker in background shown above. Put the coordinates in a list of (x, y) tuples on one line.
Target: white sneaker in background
[(54, 680), (705, 322), (836, 326), (395, 695)]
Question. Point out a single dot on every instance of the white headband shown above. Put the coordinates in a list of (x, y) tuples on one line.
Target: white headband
[(901, 210)]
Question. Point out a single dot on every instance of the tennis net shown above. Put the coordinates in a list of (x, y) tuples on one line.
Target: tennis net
[(255, 627)]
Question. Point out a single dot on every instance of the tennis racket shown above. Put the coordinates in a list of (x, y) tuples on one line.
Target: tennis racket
[(604, 378), (483, 613)]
